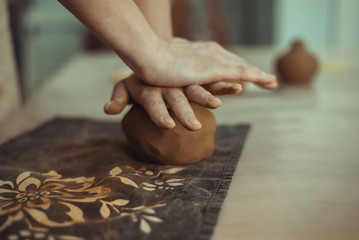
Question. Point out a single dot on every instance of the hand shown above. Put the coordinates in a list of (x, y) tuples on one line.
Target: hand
[(173, 62), (156, 100), (181, 63)]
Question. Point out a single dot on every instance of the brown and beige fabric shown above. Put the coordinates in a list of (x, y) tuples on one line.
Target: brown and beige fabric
[(75, 179)]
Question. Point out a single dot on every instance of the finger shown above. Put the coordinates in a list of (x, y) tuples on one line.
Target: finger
[(151, 99), (237, 74), (198, 94), (121, 74), (272, 85), (236, 58), (248, 72), (157, 110), (181, 108), (262, 79), (119, 99), (254, 75), (223, 88)]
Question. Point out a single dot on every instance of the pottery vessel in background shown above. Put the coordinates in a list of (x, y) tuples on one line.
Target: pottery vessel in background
[(297, 67)]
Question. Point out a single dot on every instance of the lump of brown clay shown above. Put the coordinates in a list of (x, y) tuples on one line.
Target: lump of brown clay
[(174, 146), (297, 67)]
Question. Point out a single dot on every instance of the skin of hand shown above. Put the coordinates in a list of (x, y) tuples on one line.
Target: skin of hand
[(172, 62), (156, 100), (200, 63), (207, 58), (157, 60)]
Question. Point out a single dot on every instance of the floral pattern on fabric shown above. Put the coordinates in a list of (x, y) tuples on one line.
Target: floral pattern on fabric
[(35, 199), (77, 179)]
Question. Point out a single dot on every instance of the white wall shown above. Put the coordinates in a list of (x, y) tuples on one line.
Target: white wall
[(317, 22), (304, 19), (345, 23)]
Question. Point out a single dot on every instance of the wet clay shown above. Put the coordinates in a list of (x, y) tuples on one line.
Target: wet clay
[(297, 67), (174, 146)]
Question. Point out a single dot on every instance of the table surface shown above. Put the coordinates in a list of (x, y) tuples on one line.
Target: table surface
[(298, 176)]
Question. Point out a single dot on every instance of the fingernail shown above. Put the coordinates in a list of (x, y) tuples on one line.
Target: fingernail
[(169, 121), (114, 107), (214, 102), (108, 107), (213, 99), (194, 121), (271, 76), (237, 88)]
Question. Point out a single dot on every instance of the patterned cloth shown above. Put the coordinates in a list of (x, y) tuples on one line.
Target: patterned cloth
[(76, 179)]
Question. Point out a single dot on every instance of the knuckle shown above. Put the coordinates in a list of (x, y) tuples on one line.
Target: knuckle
[(261, 74), (208, 43), (242, 70), (217, 74), (150, 91), (188, 115), (216, 45), (217, 84), (175, 95), (194, 89), (178, 98), (211, 43), (207, 97), (213, 46), (172, 91), (198, 43), (154, 104)]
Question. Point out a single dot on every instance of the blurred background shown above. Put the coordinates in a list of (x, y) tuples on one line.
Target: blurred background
[(299, 173), (45, 35)]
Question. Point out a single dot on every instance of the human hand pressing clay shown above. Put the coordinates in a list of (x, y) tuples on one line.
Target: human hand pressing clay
[(176, 146)]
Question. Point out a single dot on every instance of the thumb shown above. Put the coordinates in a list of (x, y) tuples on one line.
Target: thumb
[(119, 99)]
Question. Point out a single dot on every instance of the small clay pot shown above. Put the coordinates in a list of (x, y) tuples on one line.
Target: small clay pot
[(297, 67)]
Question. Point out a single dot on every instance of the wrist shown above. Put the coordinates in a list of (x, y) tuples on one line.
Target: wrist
[(153, 62)]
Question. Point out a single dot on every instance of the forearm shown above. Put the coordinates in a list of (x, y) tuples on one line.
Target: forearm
[(120, 25), (162, 62), (158, 15)]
